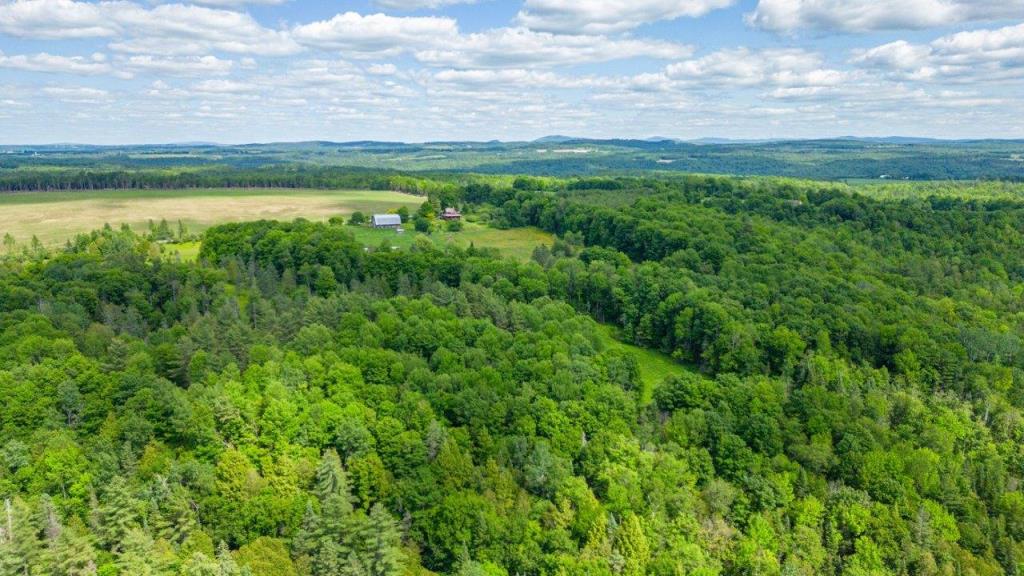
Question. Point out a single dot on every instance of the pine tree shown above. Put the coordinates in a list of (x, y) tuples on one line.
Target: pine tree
[(118, 514), (226, 563), (20, 547), (200, 565), (306, 539), (329, 558), (141, 556), (330, 476), (71, 553), (383, 546), (632, 544)]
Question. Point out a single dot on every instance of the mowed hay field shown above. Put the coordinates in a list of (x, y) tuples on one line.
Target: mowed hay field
[(54, 217)]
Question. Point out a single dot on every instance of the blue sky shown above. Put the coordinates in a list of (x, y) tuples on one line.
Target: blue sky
[(231, 71)]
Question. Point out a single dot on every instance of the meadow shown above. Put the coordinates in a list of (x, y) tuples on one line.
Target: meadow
[(54, 217), (517, 243)]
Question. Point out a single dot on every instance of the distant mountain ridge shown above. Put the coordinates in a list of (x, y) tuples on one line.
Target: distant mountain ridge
[(552, 139)]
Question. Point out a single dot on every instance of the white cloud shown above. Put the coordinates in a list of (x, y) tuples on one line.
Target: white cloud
[(516, 47), (608, 16), (978, 55), (515, 78), (868, 15), (437, 41), (224, 87), (420, 4), (743, 67), (163, 29), (236, 3), (383, 69), (44, 62), (182, 66), (376, 34), (77, 94), (900, 55), (54, 19)]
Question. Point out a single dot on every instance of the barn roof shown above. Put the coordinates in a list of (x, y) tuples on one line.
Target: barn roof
[(387, 220)]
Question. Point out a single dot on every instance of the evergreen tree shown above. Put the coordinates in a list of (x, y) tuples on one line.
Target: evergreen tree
[(118, 513), (71, 553), (631, 543), (20, 546), (383, 553), (331, 479)]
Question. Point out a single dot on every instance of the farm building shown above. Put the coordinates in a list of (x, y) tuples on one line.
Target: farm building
[(387, 221), (451, 214)]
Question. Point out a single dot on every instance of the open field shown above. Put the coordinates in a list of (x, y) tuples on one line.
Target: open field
[(517, 243), (54, 217)]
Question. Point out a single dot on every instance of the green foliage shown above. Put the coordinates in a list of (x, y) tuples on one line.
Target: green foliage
[(847, 399)]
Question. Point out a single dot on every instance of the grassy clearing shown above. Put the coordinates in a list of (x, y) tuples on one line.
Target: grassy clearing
[(654, 365), (517, 243), (184, 251), (54, 217)]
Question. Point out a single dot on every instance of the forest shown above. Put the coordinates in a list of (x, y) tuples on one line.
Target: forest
[(850, 399)]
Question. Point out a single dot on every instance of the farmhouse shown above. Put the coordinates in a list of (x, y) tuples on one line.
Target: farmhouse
[(451, 214), (387, 221)]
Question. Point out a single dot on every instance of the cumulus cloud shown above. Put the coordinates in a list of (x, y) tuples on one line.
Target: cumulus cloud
[(386, 69), (743, 67), (43, 62), (869, 15), (420, 4), (166, 28), (77, 94), (506, 47), (224, 87), (975, 55), (236, 3), (55, 19), (179, 66), (376, 34), (516, 78), (608, 16)]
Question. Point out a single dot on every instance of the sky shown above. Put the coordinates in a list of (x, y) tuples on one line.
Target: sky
[(238, 71)]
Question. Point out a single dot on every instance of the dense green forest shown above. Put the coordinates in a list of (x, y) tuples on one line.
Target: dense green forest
[(33, 180), (295, 403)]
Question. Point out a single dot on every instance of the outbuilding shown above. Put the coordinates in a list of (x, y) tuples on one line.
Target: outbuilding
[(387, 221)]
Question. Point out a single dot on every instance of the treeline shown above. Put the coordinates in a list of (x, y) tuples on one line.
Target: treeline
[(293, 176)]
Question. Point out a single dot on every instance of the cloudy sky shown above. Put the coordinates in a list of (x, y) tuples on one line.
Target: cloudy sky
[(148, 71)]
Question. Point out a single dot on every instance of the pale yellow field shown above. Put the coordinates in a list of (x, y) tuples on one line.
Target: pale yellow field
[(56, 217)]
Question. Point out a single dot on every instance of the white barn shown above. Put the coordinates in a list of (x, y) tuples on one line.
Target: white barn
[(387, 221)]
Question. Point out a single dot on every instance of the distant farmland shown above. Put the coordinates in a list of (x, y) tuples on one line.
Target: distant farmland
[(54, 217)]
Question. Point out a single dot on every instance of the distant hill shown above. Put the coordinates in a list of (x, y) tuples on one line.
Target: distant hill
[(848, 157), (555, 139)]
